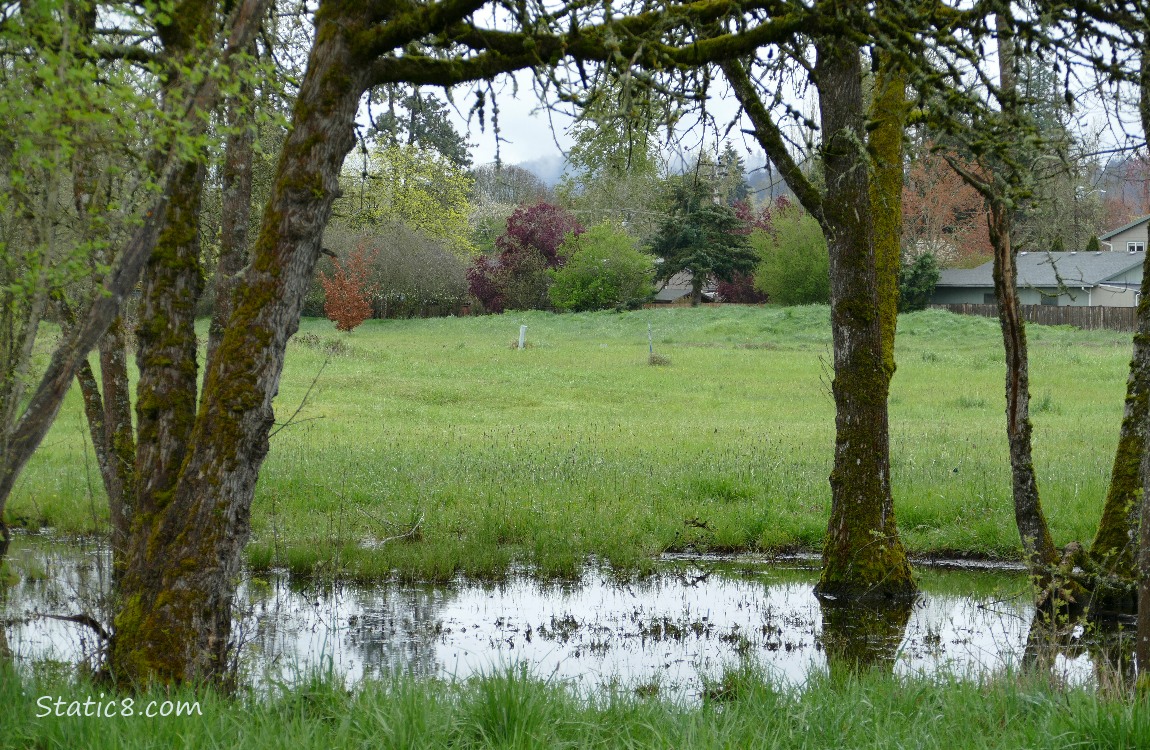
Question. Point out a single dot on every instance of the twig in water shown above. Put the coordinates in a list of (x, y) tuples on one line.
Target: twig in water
[(82, 619)]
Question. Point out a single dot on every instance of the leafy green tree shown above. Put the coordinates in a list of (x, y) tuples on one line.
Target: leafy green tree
[(615, 165), (916, 282), (604, 270), (705, 239), (795, 264), (420, 188)]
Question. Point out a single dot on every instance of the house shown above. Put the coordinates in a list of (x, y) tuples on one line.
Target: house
[(1107, 279), (678, 289), (1129, 237)]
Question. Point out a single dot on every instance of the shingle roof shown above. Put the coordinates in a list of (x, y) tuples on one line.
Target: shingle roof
[(1038, 269), (1123, 228)]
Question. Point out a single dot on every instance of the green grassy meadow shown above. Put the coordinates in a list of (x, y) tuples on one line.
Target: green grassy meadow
[(576, 447), (511, 709)]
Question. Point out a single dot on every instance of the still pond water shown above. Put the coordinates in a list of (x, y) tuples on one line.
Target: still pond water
[(669, 631)]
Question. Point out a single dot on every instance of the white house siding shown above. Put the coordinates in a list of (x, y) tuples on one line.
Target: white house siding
[(1107, 297), (1119, 242)]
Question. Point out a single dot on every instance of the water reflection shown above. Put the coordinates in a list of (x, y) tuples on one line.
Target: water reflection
[(863, 636), (1056, 646), (690, 621)]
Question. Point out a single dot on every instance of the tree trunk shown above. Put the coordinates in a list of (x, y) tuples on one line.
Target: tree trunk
[(863, 556), (175, 621), (120, 439), (110, 427), (1142, 641), (1116, 543), (1142, 637), (1037, 544), (888, 125), (237, 203), (696, 290)]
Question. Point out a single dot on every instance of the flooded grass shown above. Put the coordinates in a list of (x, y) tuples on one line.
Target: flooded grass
[(696, 654), (680, 632), (576, 447)]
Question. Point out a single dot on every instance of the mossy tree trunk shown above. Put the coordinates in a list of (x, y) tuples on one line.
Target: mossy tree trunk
[(1142, 638), (174, 624), (1037, 545), (1116, 543), (239, 153), (889, 110), (863, 556)]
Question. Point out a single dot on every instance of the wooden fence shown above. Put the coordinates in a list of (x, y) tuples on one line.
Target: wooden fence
[(1109, 318)]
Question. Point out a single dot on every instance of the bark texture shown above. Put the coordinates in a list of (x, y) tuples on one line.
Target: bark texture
[(175, 620), (863, 556), (1142, 635), (1142, 638), (888, 115), (1037, 545), (109, 419), (1116, 544), (237, 204)]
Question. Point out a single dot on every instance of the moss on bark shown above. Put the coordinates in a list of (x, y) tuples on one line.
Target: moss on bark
[(1115, 544), (863, 557), (175, 623)]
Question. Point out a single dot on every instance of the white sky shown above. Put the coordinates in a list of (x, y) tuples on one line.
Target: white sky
[(529, 134)]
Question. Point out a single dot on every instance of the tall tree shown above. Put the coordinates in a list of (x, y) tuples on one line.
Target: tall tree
[(415, 118), (1003, 184), (863, 556), (24, 434), (706, 239), (615, 166)]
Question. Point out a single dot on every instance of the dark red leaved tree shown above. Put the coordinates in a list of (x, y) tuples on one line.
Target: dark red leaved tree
[(347, 292), (528, 248)]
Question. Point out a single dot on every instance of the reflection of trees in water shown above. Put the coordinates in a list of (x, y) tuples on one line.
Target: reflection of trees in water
[(1107, 642), (397, 629), (389, 628), (863, 635), (46, 577)]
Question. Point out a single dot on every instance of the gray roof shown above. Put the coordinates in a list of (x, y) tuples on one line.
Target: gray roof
[(1038, 269), (1123, 228)]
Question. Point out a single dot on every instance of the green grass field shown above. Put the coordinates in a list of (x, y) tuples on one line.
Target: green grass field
[(577, 447), (513, 710)]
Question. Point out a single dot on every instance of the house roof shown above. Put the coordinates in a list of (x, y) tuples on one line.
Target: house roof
[(1045, 269), (1124, 227)]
